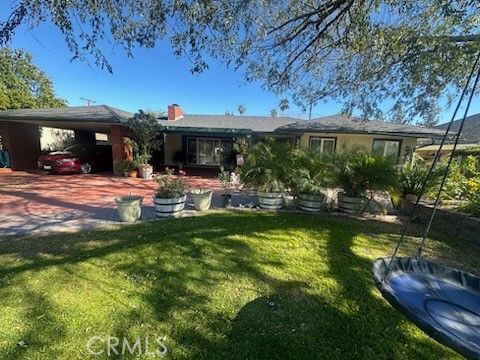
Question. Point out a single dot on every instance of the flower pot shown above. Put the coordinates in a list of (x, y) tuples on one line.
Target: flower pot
[(270, 201), (411, 197), (226, 200), (351, 205), (145, 171), (202, 199), (129, 208), (172, 207), (132, 173), (311, 203)]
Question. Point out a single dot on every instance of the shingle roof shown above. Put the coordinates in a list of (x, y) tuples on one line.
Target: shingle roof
[(227, 123), (346, 124), (470, 132), (95, 113)]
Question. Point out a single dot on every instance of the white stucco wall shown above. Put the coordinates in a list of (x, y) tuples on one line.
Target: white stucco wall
[(366, 141)]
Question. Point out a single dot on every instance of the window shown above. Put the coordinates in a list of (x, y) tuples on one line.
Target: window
[(387, 148), (325, 146), (208, 151)]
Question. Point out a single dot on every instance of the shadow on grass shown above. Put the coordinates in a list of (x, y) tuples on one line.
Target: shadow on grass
[(267, 311)]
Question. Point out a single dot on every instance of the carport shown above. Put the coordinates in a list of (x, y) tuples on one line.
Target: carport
[(20, 136)]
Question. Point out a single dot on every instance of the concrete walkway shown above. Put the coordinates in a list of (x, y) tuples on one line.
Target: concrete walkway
[(36, 203)]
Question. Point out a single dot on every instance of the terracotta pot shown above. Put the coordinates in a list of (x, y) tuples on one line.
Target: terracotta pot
[(132, 174)]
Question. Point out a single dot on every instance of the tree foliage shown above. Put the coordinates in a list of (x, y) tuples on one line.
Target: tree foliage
[(22, 84), (144, 129), (366, 53), (241, 109)]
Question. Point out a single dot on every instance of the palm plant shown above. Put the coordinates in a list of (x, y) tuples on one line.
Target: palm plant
[(266, 166), (312, 173), (358, 172)]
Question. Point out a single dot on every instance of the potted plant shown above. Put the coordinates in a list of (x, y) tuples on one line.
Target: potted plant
[(358, 173), (129, 208), (411, 178), (145, 170), (202, 198), (265, 169), (225, 180), (144, 130), (169, 198), (310, 177), (126, 167)]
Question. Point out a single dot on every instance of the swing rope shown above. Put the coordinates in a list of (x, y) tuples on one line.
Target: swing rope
[(414, 210)]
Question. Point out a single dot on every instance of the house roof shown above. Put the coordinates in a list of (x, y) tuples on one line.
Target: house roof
[(226, 123), (95, 113), (470, 132), (347, 124)]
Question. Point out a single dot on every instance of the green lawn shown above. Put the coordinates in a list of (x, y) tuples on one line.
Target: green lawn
[(206, 283)]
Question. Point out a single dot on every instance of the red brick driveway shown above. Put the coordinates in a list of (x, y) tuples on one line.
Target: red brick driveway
[(31, 202)]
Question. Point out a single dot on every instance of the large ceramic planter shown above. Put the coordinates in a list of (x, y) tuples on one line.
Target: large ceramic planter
[(270, 201), (202, 199), (145, 171), (351, 205), (129, 208), (169, 207), (311, 203)]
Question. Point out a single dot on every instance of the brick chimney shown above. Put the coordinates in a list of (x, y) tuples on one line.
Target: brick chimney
[(175, 112)]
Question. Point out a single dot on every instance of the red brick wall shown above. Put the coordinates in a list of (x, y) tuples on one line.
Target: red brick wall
[(22, 141), (119, 149)]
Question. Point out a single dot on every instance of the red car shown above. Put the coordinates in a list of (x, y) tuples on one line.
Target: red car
[(78, 158)]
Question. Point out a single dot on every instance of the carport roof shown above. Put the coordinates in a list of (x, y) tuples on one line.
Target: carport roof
[(96, 113)]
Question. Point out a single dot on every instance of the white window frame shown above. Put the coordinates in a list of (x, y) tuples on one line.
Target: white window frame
[(322, 142), (386, 141)]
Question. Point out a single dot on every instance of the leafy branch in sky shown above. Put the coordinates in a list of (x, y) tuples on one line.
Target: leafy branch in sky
[(367, 54)]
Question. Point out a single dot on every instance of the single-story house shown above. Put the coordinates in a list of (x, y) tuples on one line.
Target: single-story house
[(203, 141), (469, 138)]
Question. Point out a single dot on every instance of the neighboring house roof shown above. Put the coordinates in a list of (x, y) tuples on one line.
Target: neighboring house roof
[(445, 147), (226, 123), (348, 124), (94, 113), (470, 132)]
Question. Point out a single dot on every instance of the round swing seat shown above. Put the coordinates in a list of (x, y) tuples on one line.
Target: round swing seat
[(442, 301)]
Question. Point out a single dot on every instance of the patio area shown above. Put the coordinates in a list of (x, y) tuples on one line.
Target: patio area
[(34, 203)]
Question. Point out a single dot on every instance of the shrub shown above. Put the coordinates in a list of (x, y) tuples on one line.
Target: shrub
[(312, 173), (125, 165), (463, 180), (224, 178), (169, 186), (411, 178), (357, 172), (266, 166), (473, 207)]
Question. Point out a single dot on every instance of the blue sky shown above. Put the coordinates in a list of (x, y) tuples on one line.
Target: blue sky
[(152, 79)]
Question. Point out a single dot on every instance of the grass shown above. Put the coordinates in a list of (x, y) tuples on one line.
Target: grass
[(219, 286)]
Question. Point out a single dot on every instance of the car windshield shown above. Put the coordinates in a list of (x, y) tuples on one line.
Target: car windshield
[(77, 148)]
